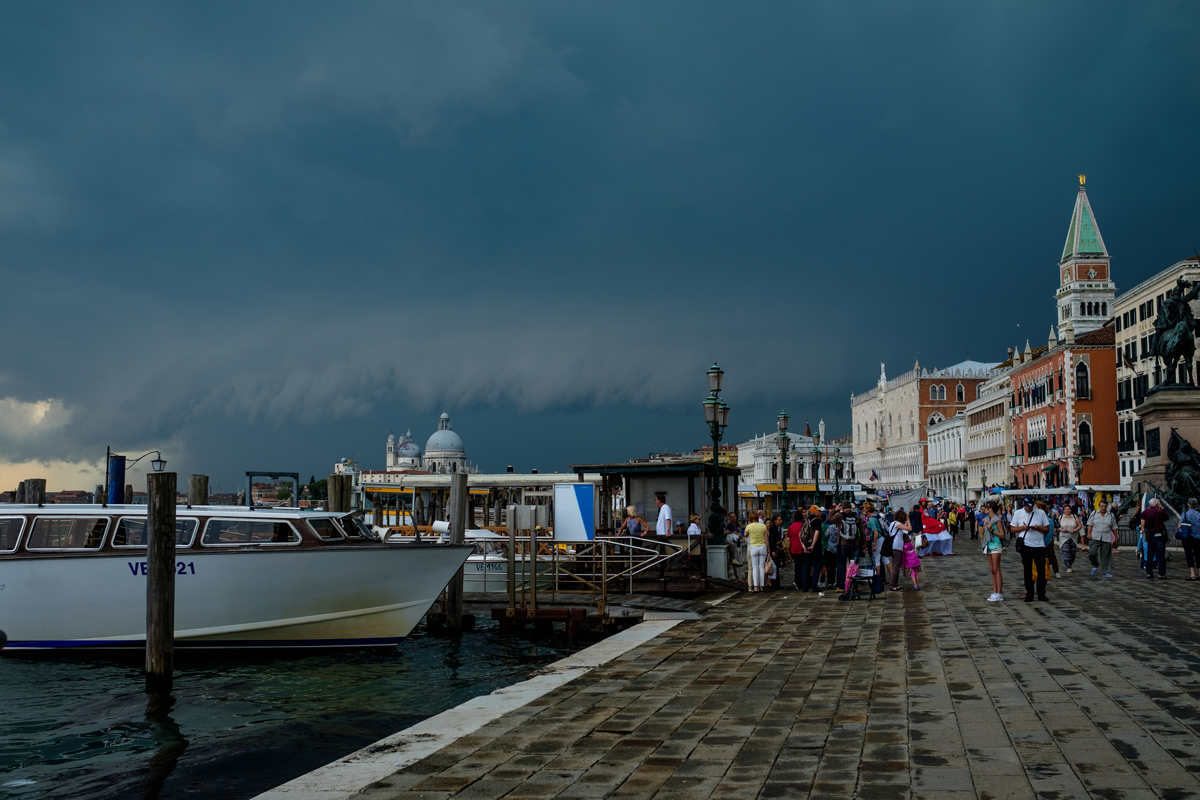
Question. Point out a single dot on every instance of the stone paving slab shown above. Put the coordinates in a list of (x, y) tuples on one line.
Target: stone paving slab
[(931, 694)]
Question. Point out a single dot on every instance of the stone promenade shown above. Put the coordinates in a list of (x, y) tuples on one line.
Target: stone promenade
[(932, 694)]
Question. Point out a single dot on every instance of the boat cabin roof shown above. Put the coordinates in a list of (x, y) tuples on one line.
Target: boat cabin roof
[(133, 509)]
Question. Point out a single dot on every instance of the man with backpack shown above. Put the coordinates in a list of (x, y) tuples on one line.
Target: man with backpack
[(849, 542)]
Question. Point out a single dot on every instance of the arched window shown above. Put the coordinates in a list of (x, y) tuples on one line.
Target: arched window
[(774, 472), (934, 419), (960, 394), (912, 425), (890, 425), (1085, 439), (941, 392), (1083, 389), (1104, 309), (932, 392)]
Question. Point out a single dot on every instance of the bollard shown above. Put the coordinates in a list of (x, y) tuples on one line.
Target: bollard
[(458, 535), (98, 496), (129, 494), (35, 490), (197, 490), (20, 496), (160, 581)]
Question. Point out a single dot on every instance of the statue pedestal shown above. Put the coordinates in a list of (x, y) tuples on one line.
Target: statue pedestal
[(1163, 410)]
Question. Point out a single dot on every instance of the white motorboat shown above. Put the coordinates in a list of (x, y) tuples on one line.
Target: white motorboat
[(74, 576)]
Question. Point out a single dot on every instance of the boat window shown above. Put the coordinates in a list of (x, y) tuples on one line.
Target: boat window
[(67, 533), (249, 531), (10, 532), (131, 532), (355, 528), (325, 528)]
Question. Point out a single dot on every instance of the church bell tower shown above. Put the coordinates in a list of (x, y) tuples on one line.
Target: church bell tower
[(1085, 288)]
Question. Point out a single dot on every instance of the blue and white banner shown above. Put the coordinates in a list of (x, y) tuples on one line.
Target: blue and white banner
[(574, 512)]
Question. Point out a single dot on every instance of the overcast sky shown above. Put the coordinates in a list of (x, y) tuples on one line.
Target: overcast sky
[(263, 236)]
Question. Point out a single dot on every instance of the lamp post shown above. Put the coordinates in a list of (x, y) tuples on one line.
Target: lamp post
[(982, 486), (781, 439), (716, 414), (816, 451), (1078, 462), (964, 497), (837, 478)]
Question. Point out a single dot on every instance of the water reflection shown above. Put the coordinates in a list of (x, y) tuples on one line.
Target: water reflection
[(235, 724), (171, 742)]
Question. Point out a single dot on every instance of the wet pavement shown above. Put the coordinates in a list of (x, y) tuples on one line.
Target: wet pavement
[(931, 694)]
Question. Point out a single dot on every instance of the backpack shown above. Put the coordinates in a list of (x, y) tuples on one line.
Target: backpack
[(849, 531)]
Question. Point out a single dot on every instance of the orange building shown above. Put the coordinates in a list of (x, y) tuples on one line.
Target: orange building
[(1064, 404)]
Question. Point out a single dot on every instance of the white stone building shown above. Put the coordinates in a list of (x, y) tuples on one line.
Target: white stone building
[(890, 421), (1137, 374), (989, 432), (829, 469), (947, 459)]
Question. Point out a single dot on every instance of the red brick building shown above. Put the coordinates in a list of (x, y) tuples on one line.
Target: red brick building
[(1064, 403)]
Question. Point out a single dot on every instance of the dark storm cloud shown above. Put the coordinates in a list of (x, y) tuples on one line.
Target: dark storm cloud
[(311, 223)]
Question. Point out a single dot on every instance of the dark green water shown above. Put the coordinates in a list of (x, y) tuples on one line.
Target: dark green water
[(240, 724)]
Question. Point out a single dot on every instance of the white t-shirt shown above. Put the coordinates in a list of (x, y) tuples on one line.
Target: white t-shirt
[(693, 530), (663, 527), (1022, 518), (897, 539)]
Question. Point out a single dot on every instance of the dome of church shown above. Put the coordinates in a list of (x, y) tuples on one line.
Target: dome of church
[(408, 448), (444, 439)]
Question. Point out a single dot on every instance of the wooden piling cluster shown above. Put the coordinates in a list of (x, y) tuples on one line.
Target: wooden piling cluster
[(338, 489)]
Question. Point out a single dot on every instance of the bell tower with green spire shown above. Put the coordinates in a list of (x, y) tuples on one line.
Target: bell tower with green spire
[(1085, 288)]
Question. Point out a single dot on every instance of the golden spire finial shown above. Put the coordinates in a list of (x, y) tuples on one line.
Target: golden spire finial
[(1082, 180)]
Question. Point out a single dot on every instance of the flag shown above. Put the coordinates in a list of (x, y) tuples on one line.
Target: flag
[(1125, 360), (874, 477)]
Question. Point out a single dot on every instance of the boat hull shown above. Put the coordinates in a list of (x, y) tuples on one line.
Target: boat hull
[(329, 597)]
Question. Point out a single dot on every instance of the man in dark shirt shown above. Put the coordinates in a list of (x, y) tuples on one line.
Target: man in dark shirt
[(914, 519), (1154, 529)]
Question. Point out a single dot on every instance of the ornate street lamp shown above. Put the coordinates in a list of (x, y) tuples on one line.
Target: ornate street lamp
[(964, 497), (837, 478), (816, 452), (1078, 462), (716, 414), (781, 439), (982, 486)]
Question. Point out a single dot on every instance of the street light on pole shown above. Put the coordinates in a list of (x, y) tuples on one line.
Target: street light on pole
[(964, 496), (1078, 462), (816, 452), (781, 439), (837, 478), (716, 414)]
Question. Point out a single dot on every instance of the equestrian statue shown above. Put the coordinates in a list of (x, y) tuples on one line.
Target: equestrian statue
[(1175, 330)]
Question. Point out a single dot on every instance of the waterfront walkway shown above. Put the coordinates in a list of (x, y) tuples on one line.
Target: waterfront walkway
[(931, 694)]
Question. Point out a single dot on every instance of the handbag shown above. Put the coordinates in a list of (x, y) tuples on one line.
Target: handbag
[(1185, 528)]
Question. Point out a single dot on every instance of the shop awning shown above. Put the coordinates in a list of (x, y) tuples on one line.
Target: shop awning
[(792, 487)]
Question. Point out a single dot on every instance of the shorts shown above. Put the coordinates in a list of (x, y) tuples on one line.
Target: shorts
[(995, 546)]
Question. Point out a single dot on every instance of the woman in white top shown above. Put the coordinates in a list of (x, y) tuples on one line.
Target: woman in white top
[(898, 530)]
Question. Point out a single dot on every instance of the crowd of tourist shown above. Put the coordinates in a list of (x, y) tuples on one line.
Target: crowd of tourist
[(832, 548)]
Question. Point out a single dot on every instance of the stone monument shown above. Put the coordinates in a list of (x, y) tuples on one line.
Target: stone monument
[(1171, 413)]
